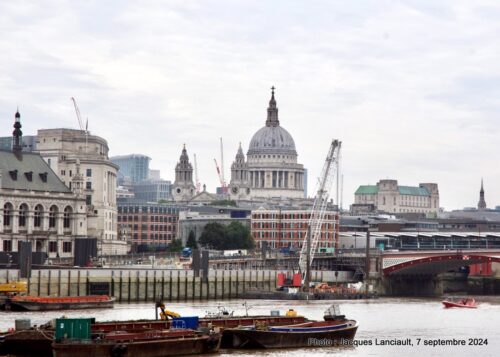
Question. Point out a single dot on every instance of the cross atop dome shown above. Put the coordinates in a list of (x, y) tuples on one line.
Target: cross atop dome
[(272, 111)]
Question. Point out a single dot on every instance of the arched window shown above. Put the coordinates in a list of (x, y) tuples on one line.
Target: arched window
[(67, 217), (23, 213), (53, 216), (38, 216), (7, 214)]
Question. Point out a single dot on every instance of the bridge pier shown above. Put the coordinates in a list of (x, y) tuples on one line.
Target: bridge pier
[(411, 285)]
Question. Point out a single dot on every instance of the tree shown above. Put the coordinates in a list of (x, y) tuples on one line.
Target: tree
[(234, 236), (239, 236), (213, 236), (175, 246), (191, 242)]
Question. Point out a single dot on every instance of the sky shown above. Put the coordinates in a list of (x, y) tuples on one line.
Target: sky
[(411, 88)]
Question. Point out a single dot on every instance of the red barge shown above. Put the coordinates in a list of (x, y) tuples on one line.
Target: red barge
[(46, 303)]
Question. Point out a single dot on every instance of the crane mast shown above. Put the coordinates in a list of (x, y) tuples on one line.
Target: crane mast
[(79, 117), (223, 180), (313, 234), (197, 182)]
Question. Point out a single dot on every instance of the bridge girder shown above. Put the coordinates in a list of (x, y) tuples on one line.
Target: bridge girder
[(437, 264)]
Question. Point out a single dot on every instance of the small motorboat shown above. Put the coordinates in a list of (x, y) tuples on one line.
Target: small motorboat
[(469, 303)]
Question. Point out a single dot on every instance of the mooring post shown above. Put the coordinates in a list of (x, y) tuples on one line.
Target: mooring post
[(367, 262)]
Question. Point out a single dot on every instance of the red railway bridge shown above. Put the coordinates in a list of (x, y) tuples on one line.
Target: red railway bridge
[(434, 262)]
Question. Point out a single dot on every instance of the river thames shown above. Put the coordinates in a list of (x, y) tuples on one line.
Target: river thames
[(387, 326)]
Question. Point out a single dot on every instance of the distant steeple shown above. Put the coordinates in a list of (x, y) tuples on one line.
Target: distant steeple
[(240, 157), (272, 111), (481, 206), (17, 134), (184, 169)]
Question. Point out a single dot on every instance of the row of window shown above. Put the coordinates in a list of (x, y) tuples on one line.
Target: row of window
[(290, 235), (145, 227), (144, 237), (67, 246), (88, 172), (165, 219), (283, 216), (146, 209), (274, 225), (8, 211)]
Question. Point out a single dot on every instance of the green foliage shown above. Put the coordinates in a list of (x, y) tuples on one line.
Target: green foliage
[(191, 242), (220, 237), (175, 246), (213, 236)]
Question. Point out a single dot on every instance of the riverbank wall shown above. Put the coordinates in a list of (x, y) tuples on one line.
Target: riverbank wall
[(134, 285)]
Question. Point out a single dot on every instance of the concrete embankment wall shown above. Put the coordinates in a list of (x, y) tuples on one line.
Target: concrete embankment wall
[(130, 285)]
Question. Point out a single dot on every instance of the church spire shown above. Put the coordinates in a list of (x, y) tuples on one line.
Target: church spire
[(17, 134), (482, 203), (272, 111), (240, 157)]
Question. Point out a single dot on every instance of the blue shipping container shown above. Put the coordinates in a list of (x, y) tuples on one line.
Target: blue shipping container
[(190, 322)]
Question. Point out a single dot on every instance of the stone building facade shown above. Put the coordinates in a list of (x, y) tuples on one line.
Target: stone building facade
[(387, 196), (271, 168), (36, 206), (62, 149)]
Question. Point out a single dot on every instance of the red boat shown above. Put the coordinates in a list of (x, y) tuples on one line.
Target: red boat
[(469, 303)]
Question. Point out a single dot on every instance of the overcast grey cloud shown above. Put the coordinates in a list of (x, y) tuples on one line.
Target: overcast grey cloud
[(411, 87)]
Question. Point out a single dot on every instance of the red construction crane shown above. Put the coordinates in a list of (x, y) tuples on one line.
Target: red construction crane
[(221, 180)]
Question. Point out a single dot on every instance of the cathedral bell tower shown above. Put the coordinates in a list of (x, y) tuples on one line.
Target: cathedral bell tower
[(183, 188), (239, 187)]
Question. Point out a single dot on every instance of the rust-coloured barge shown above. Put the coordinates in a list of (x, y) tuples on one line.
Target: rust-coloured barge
[(160, 343), (46, 303), (20, 342)]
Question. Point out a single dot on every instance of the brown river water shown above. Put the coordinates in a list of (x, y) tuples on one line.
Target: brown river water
[(387, 326)]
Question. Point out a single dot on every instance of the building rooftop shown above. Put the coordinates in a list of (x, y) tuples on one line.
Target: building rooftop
[(367, 190), (130, 156), (403, 190), (28, 171), (413, 191)]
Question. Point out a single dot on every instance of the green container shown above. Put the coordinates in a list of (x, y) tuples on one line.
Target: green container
[(78, 329)]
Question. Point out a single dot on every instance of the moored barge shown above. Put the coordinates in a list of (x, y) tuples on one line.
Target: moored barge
[(314, 334), (160, 343), (46, 303), (336, 330), (17, 342)]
